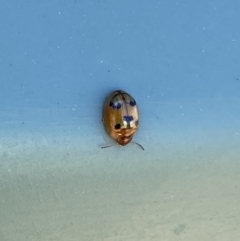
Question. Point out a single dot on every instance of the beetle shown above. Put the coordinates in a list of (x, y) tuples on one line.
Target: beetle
[(121, 117)]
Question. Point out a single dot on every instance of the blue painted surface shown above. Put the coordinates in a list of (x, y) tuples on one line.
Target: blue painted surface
[(58, 62)]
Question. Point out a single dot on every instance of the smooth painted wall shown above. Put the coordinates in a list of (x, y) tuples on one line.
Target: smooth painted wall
[(58, 62)]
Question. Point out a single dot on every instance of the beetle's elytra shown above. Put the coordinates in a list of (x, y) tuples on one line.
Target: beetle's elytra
[(121, 117)]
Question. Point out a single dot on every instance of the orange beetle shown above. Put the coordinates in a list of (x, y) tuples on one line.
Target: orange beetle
[(120, 117)]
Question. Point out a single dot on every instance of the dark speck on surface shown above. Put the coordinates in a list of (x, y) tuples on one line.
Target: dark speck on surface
[(179, 229)]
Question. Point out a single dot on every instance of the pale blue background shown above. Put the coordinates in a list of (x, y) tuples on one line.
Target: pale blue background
[(58, 62)]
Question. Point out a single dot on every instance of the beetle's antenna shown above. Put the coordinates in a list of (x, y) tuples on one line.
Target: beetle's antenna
[(131, 142), (108, 146), (138, 145)]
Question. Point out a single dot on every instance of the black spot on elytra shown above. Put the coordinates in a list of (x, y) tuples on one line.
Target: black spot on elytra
[(116, 105), (117, 126), (132, 103), (128, 119)]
